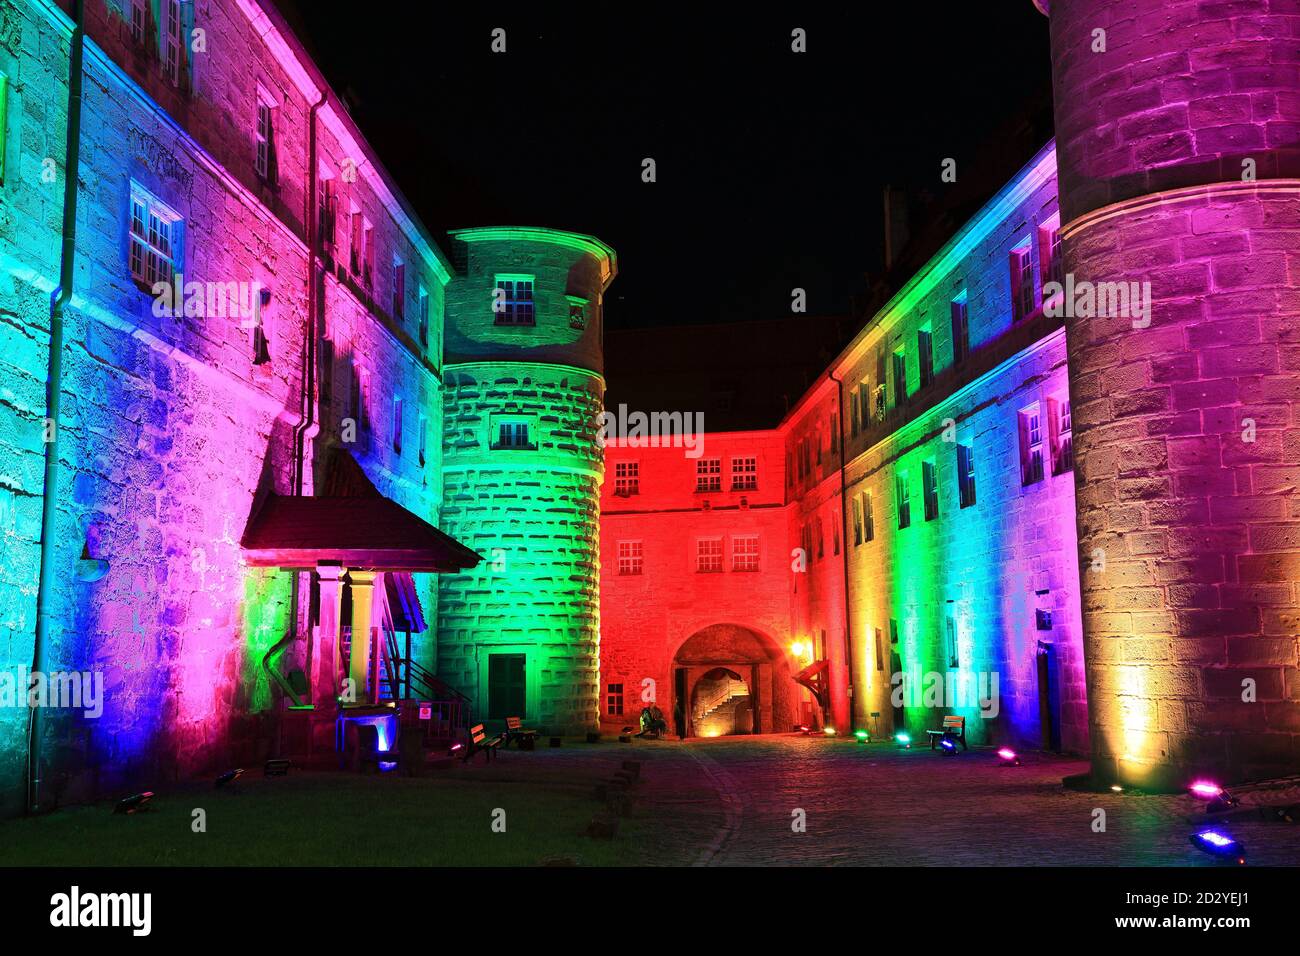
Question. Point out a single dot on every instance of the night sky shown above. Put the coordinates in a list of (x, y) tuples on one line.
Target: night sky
[(770, 164)]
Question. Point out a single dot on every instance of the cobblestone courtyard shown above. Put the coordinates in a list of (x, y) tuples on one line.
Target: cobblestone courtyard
[(878, 805)]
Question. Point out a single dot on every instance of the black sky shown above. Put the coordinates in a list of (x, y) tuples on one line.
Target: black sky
[(770, 164)]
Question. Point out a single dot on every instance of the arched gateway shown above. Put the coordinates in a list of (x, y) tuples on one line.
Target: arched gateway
[(731, 679)]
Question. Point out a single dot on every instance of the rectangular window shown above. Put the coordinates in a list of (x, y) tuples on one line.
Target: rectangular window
[(1062, 434), (614, 700), (708, 555), (172, 41), (744, 552), (903, 500), (855, 418), (881, 408), (630, 559), (513, 301), (821, 538), (627, 478), (880, 651), (1050, 266), (868, 518), (1022, 283), (900, 378), (326, 204), (966, 474), (424, 317), (512, 434), (424, 439), (744, 474), (930, 490), (154, 239), (397, 424), (326, 372), (368, 253), (1031, 445), (833, 432), (708, 474), (399, 289), (359, 233), (262, 163), (507, 686), (857, 521), (835, 537), (363, 416), (354, 393), (138, 20), (954, 659), (960, 330), (925, 356)]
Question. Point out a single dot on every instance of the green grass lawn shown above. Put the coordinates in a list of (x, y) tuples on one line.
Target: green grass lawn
[(342, 819)]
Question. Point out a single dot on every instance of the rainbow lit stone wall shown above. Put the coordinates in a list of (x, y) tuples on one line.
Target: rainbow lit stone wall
[(531, 511)]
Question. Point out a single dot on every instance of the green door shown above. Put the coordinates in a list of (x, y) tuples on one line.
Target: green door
[(507, 687)]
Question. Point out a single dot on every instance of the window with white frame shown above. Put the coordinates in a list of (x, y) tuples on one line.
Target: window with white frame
[(627, 478), (173, 41), (397, 424), (1031, 445), (903, 500), (708, 474), (513, 301), (326, 204), (1062, 434), (966, 475), (264, 160), (630, 557), (960, 330), (155, 239), (708, 555), (744, 552), (399, 289), (1050, 264), (511, 432), (424, 316), (1022, 282), (744, 473), (139, 19)]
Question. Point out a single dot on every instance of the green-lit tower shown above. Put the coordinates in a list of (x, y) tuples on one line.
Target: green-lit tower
[(522, 468)]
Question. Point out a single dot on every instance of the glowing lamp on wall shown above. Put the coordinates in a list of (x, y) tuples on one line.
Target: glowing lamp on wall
[(797, 649), (1219, 845)]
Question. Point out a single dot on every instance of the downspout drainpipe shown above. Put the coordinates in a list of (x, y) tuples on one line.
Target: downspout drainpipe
[(307, 418), (844, 552), (59, 300)]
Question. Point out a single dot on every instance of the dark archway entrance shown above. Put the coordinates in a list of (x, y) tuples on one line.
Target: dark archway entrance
[(730, 679)]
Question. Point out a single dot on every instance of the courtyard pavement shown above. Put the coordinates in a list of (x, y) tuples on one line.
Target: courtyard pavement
[(875, 804)]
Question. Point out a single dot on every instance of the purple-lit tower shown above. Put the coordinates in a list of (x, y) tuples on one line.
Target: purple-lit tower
[(1177, 126)]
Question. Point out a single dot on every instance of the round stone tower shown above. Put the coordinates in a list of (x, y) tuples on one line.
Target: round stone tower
[(522, 467), (1177, 135)]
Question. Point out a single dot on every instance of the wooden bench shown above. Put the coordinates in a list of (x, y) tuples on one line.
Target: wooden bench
[(480, 741), (515, 732), (954, 728)]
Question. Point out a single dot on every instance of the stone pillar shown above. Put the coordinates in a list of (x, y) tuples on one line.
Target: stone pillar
[(363, 592), (1177, 145), (325, 654)]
